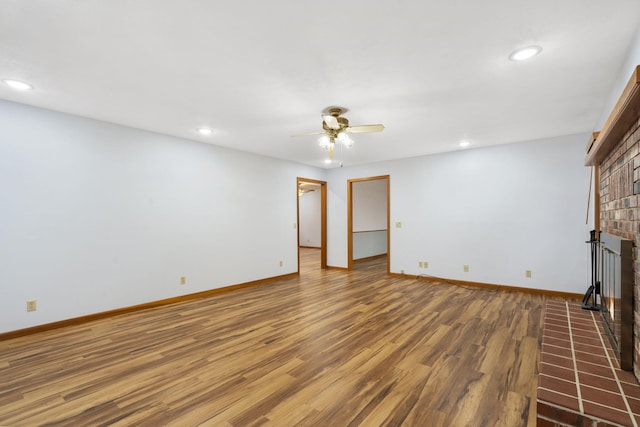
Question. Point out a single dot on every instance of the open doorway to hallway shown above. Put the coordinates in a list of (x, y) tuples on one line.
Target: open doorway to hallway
[(368, 221), (312, 224)]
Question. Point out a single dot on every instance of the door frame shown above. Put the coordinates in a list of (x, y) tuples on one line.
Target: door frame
[(350, 218), (323, 219)]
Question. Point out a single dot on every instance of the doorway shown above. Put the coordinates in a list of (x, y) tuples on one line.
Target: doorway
[(312, 218), (368, 219)]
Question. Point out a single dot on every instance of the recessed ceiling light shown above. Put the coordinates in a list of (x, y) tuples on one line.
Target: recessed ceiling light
[(464, 143), (17, 84), (525, 53), (205, 131)]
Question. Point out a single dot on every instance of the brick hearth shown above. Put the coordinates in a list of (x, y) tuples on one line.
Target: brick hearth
[(580, 382)]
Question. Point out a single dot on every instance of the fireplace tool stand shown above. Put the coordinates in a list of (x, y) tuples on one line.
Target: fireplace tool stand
[(592, 296)]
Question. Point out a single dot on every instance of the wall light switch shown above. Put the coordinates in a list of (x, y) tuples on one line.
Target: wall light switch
[(32, 305)]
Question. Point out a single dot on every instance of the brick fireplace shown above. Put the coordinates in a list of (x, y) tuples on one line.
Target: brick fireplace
[(620, 209), (615, 154), (618, 165)]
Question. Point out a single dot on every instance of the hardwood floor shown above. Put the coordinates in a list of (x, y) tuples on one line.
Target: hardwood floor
[(330, 348)]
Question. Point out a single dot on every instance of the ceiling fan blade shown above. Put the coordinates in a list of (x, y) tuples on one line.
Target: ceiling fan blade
[(307, 134), (331, 122), (365, 128)]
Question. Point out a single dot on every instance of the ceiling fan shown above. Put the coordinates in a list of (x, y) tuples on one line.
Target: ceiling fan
[(303, 188), (337, 129)]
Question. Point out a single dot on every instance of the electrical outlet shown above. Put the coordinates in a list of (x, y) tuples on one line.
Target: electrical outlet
[(420, 264), (425, 264), (183, 280), (398, 224), (401, 271), (32, 305), (527, 273), (465, 268), (280, 263)]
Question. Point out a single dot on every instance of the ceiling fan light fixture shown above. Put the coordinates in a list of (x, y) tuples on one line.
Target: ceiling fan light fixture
[(17, 84), (331, 122), (345, 139), (348, 142), (324, 141), (525, 53)]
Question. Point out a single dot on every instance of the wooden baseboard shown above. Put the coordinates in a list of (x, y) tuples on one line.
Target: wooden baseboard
[(331, 267), (370, 258), (110, 313), (491, 286)]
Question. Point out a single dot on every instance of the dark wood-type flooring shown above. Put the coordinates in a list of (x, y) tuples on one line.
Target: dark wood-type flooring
[(330, 348)]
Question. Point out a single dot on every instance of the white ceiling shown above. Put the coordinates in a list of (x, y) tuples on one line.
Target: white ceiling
[(433, 72)]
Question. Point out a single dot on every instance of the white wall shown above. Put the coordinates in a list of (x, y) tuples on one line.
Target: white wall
[(95, 216), (369, 244), (369, 200), (310, 217), (369, 216), (631, 61), (501, 210)]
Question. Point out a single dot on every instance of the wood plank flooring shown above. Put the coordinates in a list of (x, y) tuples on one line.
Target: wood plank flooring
[(330, 348)]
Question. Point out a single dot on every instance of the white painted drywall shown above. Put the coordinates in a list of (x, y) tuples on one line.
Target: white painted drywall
[(501, 210), (310, 217), (369, 215), (96, 216), (369, 200), (369, 244), (626, 69)]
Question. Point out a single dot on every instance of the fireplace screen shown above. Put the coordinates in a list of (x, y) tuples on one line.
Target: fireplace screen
[(616, 287)]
